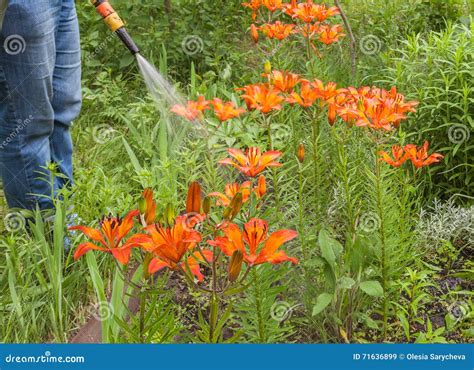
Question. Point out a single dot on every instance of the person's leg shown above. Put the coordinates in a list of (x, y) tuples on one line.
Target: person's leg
[(66, 100), (27, 60)]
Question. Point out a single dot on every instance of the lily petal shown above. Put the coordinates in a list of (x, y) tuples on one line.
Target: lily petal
[(86, 247)]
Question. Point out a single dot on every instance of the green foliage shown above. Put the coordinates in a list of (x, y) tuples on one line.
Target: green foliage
[(42, 293), (206, 32), (438, 72), (263, 313), (392, 21)]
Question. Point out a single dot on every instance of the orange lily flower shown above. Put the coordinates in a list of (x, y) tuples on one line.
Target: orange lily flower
[(254, 243), (330, 34), (170, 245), (254, 32), (334, 105), (262, 97), (324, 13), (309, 12), (307, 96), (254, 5), (400, 105), (112, 232), (253, 162), (193, 110), (277, 30), (283, 81), (309, 30), (399, 154), (230, 191), (333, 97), (273, 5), (289, 8), (374, 115), (325, 92), (226, 111), (419, 155), (376, 108)]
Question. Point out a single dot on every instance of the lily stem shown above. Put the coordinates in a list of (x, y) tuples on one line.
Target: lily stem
[(300, 200), (304, 247), (274, 172), (316, 164), (143, 298), (213, 317), (214, 306), (383, 242), (258, 304)]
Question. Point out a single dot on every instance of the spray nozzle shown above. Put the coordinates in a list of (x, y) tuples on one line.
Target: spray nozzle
[(115, 23)]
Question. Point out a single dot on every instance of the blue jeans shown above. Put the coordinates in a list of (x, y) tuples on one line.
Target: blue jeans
[(40, 96)]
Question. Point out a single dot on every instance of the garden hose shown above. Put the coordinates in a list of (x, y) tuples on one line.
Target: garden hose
[(115, 24)]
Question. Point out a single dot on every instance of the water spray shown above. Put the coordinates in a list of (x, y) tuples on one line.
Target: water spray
[(115, 24), (162, 91)]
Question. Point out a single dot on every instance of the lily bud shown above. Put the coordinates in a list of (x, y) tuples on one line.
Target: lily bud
[(170, 214), (254, 32), (235, 265), (193, 202), (234, 207), (261, 186), (300, 153), (268, 67), (206, 205), (227, 213), (142, 205), (146, 263)]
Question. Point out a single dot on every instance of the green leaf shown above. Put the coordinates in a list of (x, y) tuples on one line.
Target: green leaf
[(372, 288), (371, 323), (330, 247), (133, 158), (346, 282), (98, 284), (329, 276), (322, 302), (405, 325)]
